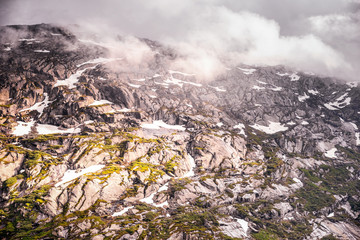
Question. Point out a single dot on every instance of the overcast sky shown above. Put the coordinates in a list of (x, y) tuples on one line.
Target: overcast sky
[(316, 35)]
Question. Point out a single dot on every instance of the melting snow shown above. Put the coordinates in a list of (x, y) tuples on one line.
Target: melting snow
[(134, 85), (331, 153), (41, 51), (313, 92), (27, 39), (339, 103), (276, 88), (258, 88), (160, 124), (352, 84), (51, 129), (152, 96), (23, 128), (149, 199), (70, 82), (7, 49), (163, 188), (218, 89), (282, 74), (180, 83), (291, 123), (100, 102), (244, 225), (99, 60), (241, 127), (294, 77), (247, 71), (40, 106), (191, 172), (177, 72), (70, 175), (122, 211), (261, 82), (156, 75), (304, 123), (303, 98), (139, 80), (357, 135), (219, 124), (273, 127)]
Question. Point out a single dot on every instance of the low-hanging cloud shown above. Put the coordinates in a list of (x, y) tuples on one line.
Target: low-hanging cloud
[(215, 34)]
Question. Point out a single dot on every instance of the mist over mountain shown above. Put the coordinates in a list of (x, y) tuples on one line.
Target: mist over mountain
[(321, 36)]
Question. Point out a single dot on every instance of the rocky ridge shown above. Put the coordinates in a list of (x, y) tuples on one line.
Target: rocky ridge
[(94, 147)]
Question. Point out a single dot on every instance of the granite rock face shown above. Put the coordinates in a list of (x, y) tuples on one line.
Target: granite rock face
[(97, 146)]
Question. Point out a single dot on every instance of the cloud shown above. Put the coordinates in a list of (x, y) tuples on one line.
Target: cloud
[(244, 37), (321, 36)]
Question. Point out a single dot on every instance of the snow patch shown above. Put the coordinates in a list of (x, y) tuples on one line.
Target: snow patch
[(219, 124), (247, 71), (273, 127), (191, 172), (303, 98), (357, 135), (40, 106), (313, 92), (23, 128), (52, 129), (181, 73), (180, 83), (258, 88), (331, 153), (71, 81), (139, 80), (241, 127), (339, 103), (149, 199), (116, 214), (7, 49), (41, 51), (304, 123), (261, 82), (70, 175), (291, 123), (134, 85), (276, 88), (352, 84), (244, 225), (160, 124), (218, 89), (282, 74), (294, 77), (100, 102), (27, 39), (98, 61)]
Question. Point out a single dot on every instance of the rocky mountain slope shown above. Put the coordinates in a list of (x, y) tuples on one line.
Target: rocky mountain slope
[(95, 147)]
